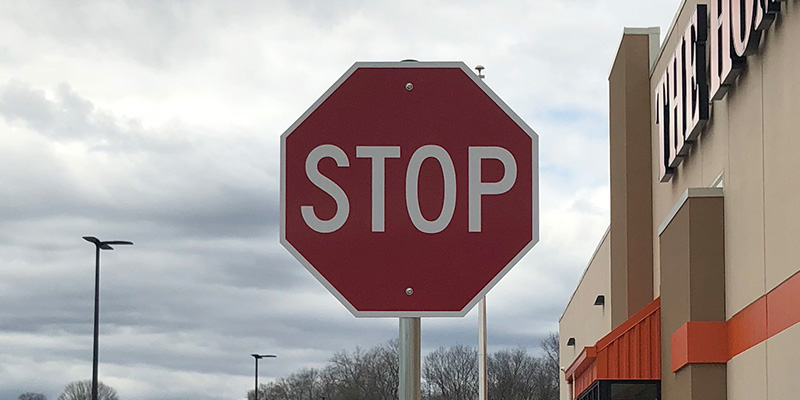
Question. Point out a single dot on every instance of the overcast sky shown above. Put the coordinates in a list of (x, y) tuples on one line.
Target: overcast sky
[(159, 122)]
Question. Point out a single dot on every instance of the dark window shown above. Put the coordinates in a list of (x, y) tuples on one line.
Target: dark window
[(623, 390)]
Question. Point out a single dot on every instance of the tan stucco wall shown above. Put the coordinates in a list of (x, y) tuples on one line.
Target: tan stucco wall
[(751, 138), (582, 319), (693, 289), (769, 370), (752, 142), (629, 159), (708, 157), (783, 365), (747, 374), (780, 60)]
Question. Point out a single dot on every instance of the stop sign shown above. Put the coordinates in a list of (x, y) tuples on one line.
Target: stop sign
[(409, 189)]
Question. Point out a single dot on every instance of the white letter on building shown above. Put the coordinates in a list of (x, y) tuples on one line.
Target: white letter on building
[(662, 120), (675, 100), (766, 11), (695, 76), (723, 66), (745, 36)]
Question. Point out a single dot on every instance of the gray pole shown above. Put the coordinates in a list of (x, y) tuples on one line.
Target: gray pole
[(96, 319), (257, 357), (409, 359), (483, 387), (98, 245)]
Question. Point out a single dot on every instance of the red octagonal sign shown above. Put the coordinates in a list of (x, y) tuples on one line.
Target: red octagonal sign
[(409, 189)]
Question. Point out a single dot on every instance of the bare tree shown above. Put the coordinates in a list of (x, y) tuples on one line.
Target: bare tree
[(263, 389), (549, 372), (360, 375), (304, 384), (348, 374), (82, 390), (451, 374), (368, 375), (383, 365), (512, 375), (448, 374), (32, 396)]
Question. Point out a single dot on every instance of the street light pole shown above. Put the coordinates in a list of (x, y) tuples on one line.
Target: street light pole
[(105, 246), (96, 320), (258, 357)]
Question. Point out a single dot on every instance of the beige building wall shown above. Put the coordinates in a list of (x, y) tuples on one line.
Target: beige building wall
[(751, 145), (783, 365), (751, 149), (626, 245), (629, 159), (769, 370), (693, 289), (747, 374), (779, 62), (582, 319), (707, 159)]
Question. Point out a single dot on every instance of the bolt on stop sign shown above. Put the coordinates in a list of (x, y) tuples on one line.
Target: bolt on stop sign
[(409, 189)]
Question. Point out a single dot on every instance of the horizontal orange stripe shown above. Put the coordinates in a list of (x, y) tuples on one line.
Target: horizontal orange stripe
[(700, 342), (762, 319), (782, 306), (712, 341), (748, 327), (680, 347)]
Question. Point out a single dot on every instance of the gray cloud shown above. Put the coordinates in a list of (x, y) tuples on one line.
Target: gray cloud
[(158, 122), (69, 117)]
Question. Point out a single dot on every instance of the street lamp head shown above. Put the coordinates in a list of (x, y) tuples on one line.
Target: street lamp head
[(92, 239), (116, 242), (106, 245), (260, 356)]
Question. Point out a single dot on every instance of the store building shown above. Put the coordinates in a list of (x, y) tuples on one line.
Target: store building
[(694, 291)]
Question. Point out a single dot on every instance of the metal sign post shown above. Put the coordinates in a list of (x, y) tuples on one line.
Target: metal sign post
[(483, 387), (382, 122), (410, 355)]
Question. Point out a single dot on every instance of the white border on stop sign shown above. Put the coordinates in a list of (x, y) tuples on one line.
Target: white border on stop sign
[(534, 184)]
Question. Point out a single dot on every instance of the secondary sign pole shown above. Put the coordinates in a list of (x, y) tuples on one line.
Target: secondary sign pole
[(410, 354), (483, 387)]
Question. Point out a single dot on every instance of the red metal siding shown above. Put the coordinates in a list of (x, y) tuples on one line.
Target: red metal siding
[(584, 380), (632, 351)]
